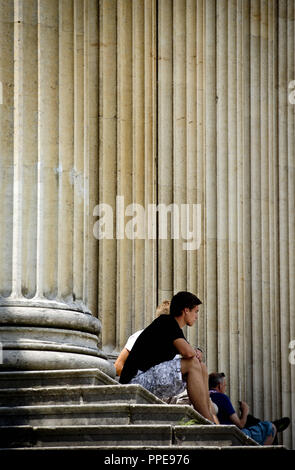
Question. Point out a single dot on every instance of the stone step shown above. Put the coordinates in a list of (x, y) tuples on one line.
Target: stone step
[(114, 435), (225, 435), (76, 395), (47, 378), (178, 437), (128, 450), (103, 414), (88, 409)]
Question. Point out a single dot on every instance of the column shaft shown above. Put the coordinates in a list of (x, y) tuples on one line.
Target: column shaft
[(45, 322)]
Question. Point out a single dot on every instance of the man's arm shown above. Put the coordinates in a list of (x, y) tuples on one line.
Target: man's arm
[(119, 364), (184, 348), (240, 422)]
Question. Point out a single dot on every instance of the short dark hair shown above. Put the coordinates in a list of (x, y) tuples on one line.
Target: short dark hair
[(183, 300), (215, 378)]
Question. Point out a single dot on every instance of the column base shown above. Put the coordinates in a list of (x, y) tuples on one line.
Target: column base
[(36, 338), (16, 360)]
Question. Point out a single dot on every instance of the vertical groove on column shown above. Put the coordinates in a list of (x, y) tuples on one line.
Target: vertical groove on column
[(277, 216), (165, 136), (25, 150), (150, 122), (291, 212), (211, 183), (265, 271), (18, 151), (179, 141), (271, 132), (66, 150), (6, 144), (240, 201), (273, 197), (28, 142), (191, 137), (222, 91), (78, 170), (125, 292), (138, 159), (200, 166), (47, 149), (233, 304), (256, 207), (90, 152), (108, 166), (247, 320)]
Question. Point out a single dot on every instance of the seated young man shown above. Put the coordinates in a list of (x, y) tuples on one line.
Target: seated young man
[(152, 362), (162, 309)]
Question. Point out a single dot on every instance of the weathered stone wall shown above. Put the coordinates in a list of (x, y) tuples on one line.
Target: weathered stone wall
[(195, 108), (171, 102)]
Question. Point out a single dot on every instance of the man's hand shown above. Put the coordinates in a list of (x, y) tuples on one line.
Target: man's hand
[(240, 422), (199, 355), (244, 407)]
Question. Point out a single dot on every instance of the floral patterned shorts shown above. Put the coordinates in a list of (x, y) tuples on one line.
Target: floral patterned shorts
[(163, 380)]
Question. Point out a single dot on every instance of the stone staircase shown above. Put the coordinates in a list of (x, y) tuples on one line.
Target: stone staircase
[(86, 409)]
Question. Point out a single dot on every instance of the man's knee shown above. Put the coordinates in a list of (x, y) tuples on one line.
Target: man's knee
[(190, 364), (204, 368)]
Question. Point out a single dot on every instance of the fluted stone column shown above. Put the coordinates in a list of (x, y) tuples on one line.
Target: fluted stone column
[(157, 102), (194, 110), (49, 169)]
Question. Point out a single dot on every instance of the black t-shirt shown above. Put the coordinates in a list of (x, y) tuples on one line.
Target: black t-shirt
[(153, 346)]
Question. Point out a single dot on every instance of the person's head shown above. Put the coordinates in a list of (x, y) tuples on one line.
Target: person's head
[(217, 381), (185, 304), (163, 308)]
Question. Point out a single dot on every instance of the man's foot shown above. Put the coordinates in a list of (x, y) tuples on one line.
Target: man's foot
[(281, 424)]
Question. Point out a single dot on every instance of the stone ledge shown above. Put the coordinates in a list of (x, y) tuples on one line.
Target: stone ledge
[(77, 394), (52, 436), (47, 314), (41, 378), (196, 435), (92, 414), (160, 448), (37, 360), (123, 437)]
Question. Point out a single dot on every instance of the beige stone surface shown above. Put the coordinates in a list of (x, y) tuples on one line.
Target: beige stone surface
[(157, 102), (48, 288)]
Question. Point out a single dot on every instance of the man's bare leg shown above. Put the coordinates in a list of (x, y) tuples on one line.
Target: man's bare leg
[(206, 383), (197, 392)]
